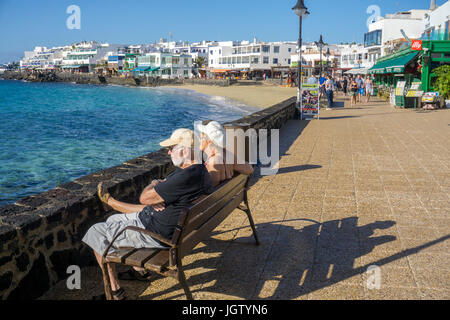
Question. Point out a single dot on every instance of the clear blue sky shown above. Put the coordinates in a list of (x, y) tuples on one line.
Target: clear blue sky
[(25, 24)]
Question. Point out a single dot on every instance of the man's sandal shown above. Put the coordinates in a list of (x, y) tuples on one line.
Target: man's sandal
[(133, 274), (102, 193)]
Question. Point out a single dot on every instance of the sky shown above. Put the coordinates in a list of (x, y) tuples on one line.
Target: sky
[(25, 24)]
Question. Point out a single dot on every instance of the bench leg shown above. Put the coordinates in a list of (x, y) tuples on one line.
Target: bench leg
[(106, 282), (182, 280), (250, 219)]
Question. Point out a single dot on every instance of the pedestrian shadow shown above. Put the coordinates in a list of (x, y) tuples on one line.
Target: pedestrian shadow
[(338, 104), (290, 262)]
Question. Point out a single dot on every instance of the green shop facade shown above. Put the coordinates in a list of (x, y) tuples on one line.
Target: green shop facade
[(410, 67)]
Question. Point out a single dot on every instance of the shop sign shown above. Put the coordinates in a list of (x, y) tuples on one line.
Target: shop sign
[(416, 45)]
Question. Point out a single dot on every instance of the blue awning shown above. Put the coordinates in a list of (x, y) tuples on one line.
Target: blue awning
[(146, 69)]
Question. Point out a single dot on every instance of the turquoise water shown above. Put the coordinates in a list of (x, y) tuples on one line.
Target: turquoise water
[(52, 133)]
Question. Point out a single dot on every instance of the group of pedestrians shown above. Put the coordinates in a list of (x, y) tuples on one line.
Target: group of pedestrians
[(358, 88)]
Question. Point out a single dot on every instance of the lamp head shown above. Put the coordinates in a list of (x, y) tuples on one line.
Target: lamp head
[(300, 9), (320, 43)]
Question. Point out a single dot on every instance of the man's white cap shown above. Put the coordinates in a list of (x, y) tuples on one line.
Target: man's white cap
[(182, 136), (214, 131)]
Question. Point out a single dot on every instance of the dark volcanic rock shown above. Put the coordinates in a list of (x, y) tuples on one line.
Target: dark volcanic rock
[(34, 284), (26, 222), (22, 262), (12, 209), (5, 280)]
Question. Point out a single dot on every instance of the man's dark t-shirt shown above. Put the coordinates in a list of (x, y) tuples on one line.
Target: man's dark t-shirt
[(180, 188)]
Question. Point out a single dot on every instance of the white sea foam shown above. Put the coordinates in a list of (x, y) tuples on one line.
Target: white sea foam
[(214, 102)]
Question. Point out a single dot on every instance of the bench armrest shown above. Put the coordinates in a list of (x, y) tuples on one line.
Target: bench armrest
[(141, 230)]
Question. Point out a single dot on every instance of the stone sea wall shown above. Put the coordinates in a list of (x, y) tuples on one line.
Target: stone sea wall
[(84, 78), (40, 236)]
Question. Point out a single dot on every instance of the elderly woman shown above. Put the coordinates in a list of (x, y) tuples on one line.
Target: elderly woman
[(212, 137)]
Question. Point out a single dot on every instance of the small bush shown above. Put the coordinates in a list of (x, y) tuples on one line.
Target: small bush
[(442, 83)]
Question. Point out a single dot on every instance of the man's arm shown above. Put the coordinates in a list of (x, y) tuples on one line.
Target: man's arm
[(150, 197)]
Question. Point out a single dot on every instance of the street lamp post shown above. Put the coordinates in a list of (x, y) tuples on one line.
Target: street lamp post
[(327, 54), (301, 11), (320, 44)]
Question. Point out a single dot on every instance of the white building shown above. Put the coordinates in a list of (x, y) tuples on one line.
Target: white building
[(86, 56), (355, 56), (165, 65), (43, 58), (436, 23), (385, 34), (246, 56)]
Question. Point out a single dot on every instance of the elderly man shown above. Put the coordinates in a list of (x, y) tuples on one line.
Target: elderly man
[(162, 202), (213, 144)]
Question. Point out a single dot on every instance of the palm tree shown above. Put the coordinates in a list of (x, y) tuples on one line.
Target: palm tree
[(199, 62)]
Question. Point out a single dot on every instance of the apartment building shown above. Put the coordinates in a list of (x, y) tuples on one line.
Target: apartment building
[(246, 56), (385, 34), (165, 65)]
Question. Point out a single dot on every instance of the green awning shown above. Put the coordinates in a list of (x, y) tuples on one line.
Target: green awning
[(396, 64)]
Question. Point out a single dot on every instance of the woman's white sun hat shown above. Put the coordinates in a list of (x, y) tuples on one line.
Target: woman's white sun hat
[(214, 131)]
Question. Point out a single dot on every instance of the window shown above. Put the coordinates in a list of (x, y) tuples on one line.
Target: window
[(289, 49), (233, 60), (246, 59), (265, 60), (255, 60), (239, 59), (186, 73), (372, 38), (265, 48), (275, 60), (163, 60), (276, 49), (289, 61), (175, 60), (212, 61)]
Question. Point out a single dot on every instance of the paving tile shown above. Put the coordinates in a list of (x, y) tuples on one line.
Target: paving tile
[(429, 260), (433, 294), (393, 293), (432, 278), (393, 277), (336, 292)]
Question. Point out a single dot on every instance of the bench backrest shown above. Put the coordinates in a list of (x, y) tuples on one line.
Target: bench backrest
[(197, 222)]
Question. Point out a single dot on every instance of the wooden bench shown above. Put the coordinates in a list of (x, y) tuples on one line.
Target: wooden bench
[(194, 225)]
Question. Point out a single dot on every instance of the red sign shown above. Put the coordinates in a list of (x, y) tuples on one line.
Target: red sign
[(416, 45)]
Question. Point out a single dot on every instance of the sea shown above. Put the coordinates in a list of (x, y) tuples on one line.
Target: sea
[(53, 133)]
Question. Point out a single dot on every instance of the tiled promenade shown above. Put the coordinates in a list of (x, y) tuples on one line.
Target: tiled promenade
[(359, 187)]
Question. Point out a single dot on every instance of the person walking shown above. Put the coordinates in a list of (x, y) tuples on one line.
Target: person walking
[(369, 88), (353, 92), (322, 80), (329, 86), (344, 86), (360, 91)]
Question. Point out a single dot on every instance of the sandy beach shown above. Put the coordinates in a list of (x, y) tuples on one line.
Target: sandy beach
[(261, 96)]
